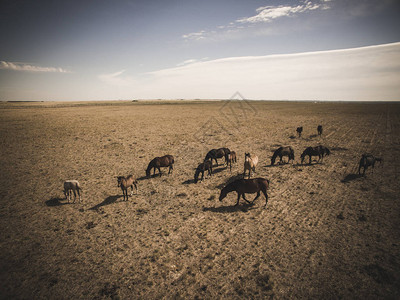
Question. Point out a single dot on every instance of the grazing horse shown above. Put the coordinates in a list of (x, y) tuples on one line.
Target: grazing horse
[(205, 166), (158, 162), (368, 160), (283, 151), (125, 183), (319, 151), (230, 158), (319, 129), (299, 130), (250, 163), (213, 154), (248, 186), (74, 186)]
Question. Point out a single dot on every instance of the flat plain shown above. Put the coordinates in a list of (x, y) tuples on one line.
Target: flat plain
[(326, 233)]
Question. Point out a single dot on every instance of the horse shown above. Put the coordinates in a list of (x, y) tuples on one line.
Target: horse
[(158, 162), (367, 160), (230, 158), (213, 154), (319, 151), (319, 129), (74, 186), (205, 166), (283, 151), (248, 186), (299, 130), (250, 163), (125, 183)]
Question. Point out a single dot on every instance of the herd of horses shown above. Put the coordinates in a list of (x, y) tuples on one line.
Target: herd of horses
[(242, 186)]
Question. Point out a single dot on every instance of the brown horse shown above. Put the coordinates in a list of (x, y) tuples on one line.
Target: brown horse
[(319, 151), (368, 160), (158, 162), (319, 129), (283, 151), (230, 158), (125, 183), (299, 130), (213, 154), (246, 186), (205, 166)]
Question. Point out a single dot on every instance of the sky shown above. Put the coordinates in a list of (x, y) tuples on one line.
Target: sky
[(186, 49)]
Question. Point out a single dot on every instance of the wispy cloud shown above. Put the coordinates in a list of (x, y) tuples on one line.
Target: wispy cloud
[(18, 66), (269, 13), (264, 14), (191, 61), (367, 73)]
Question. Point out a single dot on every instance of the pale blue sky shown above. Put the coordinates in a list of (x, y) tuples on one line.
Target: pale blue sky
[(93, 50)]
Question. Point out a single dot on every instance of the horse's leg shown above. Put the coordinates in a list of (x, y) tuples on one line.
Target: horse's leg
[(266, 196), (131, 189), (171, 168), (244, 198), (79, 194), (159, 171), (310, 160), (202, 175), (237, 202), (258, 195)]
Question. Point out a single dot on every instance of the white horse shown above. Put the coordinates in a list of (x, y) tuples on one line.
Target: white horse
[(72, 185), (250, 163)]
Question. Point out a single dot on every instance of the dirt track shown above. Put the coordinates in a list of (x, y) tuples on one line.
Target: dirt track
[(326, 232)]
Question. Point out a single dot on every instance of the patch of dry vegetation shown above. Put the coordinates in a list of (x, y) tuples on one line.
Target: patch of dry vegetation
[(326, 232)]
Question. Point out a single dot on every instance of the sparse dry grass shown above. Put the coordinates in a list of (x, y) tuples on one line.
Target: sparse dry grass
[(325, 233)]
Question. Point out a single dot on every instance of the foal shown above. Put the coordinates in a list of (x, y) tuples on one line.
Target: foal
[(250, 163), (125, 183)]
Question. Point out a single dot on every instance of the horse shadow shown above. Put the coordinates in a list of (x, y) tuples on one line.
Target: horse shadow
[(219, 170), (55, 201), (229, 180), (313, 136), (351, 177), (230, 208), (109, 200), (189, 181)]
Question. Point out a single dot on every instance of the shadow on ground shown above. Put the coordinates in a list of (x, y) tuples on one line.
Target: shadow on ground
[(109, 200), (230, 208), (351, 177), (55, 201)]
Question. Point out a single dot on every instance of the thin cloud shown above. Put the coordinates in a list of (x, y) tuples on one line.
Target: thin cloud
[(17, 66), (267, 14), (367, 73)]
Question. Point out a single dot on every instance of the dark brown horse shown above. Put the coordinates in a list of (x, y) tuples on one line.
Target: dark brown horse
[(214, 154), (205, 166), (319, 129), (230, 158), (368, 160), (299, 130), (160, 162), (319, 151), (125, 183), (246, 186), (283, 151)]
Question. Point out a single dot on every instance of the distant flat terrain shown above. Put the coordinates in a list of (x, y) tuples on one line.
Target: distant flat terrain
[(325, 233)]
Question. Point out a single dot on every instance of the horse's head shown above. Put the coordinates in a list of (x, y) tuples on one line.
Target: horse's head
[(327, 151), (119, 178), (302, 156), (196, 176), (223, 194), (272, 160)]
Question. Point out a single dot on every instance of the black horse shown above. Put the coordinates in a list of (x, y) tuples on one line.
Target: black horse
[(214, 154), (367, 160), (319, 129), (283, 151), (319, 151), (299, 130), (205, 166)]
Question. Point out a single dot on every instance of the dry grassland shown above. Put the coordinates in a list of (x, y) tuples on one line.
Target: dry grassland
[(326, 233)]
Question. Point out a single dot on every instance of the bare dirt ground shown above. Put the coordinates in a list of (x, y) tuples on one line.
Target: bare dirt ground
[(326, 233)]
